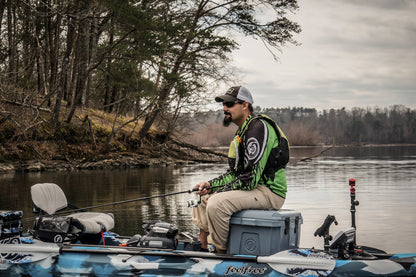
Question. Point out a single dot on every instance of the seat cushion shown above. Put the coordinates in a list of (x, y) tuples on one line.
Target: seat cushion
[(93, 223)]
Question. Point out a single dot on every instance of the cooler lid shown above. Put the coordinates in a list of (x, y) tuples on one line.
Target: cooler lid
[(267, 218)]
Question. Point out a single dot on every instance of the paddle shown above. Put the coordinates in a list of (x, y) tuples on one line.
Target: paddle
[(293, 262), (297, 262), (300, 262), (49, 248), (23, 253)]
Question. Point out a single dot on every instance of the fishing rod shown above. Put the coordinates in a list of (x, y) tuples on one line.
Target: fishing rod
[(191, 203), (136, 199)]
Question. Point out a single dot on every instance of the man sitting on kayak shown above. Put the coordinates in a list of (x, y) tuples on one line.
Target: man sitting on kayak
[(256, 178)]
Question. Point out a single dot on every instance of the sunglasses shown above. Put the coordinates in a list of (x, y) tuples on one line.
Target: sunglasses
[(230, 104)]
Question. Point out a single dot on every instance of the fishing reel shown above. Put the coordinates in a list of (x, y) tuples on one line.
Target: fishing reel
[(193, 203)]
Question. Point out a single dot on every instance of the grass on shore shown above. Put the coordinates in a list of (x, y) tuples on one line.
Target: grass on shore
[(28, 134)]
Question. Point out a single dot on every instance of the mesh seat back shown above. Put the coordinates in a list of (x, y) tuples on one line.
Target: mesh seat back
[(48, 197)]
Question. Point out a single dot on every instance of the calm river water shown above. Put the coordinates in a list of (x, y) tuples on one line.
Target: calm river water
[(385, 181)]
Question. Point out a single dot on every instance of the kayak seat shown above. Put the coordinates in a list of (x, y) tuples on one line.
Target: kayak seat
[(48, 198), (93, 223)]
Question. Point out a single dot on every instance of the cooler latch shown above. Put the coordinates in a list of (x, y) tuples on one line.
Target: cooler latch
[(296, 224), (287, 224)]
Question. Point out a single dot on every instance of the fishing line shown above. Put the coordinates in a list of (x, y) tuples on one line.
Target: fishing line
[(122, 202), (133, 200)]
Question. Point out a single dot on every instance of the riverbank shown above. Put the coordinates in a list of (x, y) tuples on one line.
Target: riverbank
[(180, 154), (120, 162), (84, 144), (149, 154), (114, 161)]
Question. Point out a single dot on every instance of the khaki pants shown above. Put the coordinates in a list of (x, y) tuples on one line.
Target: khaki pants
[(214, 213)]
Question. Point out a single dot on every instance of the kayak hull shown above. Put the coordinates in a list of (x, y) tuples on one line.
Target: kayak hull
[(49, 259)]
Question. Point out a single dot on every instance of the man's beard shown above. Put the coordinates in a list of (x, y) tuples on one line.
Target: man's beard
[(227, 120)]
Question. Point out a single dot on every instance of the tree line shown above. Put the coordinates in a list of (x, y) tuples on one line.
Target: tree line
[(149, 60), (308, 126)]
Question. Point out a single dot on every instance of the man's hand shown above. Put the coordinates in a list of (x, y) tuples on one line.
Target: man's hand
[(203, 188)]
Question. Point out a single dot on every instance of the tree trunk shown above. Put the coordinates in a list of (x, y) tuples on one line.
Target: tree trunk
[(92, 56), (169, 84), (11, 44), (107, 100), (2, 7), (83, 56), (54, 52), (82, 62), (63, 83), (27, 48)]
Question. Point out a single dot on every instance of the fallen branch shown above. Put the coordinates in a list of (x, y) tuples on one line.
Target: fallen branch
[(25, 105), (199, 149), (316, 155)]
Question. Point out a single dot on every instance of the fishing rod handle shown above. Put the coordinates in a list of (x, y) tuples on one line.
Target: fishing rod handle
[(207, 188)]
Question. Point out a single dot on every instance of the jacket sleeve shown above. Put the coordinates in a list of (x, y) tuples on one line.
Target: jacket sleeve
[(256, 153)]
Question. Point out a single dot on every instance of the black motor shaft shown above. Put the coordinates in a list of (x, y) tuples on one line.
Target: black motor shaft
[(354, 203)]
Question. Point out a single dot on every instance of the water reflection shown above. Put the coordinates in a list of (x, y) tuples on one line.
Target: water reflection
[(386, 189)]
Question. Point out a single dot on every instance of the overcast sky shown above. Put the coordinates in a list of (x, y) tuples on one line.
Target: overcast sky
[(353, 53)]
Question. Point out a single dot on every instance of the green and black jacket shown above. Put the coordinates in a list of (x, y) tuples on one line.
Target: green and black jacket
[(248, 157)]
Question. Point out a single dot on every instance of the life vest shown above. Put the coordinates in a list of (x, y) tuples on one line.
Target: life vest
[(278, 158)]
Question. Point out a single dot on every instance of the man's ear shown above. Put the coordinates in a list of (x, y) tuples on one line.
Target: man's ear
[(245, 105)]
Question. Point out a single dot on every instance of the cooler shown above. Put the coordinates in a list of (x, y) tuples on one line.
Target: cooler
[(264, 232)]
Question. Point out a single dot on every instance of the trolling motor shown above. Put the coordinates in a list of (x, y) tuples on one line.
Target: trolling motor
[(344, 241), (353, 204)]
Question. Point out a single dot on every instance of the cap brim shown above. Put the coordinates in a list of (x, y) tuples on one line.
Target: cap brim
[(225, 98)]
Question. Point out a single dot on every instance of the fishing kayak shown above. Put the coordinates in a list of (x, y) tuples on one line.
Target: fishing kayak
[(30, 257), (81, 244)]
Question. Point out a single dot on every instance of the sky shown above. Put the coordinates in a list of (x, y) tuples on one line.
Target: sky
[(352, 53)]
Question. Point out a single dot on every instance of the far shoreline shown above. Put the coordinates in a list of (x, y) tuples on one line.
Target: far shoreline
[(132, 161)]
